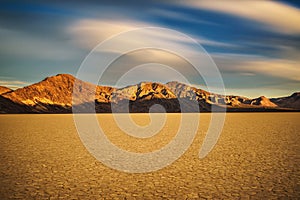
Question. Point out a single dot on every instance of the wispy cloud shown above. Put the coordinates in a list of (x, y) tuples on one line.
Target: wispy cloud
[(275, 15), (13, 84), (247, 64), (43, 43), (95, 31), (179, 16), (89, 32)]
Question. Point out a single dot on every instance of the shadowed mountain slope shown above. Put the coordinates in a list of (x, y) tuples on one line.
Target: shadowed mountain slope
[(292, 101)]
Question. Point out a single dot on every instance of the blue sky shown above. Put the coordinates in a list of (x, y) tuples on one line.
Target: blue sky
[(255, 44)]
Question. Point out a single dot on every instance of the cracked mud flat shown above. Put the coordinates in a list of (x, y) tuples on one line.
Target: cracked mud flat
[(257, 156)]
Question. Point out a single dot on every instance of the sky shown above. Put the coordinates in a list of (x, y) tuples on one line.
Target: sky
[(254, 44)]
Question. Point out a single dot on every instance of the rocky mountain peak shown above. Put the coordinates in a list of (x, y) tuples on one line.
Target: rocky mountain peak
[(4, 90), (58, 94), (59, 79), (149, 90), (182, 90), (143, 91), (296, 94), (263, 101), (54, 90)]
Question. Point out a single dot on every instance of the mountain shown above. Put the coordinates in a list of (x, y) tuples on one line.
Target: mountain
[(292, 101), (263, 101), (4, 90), (60, 94), (184, 91), (54, 94), (8, 106), (56, 90), (144, 91)]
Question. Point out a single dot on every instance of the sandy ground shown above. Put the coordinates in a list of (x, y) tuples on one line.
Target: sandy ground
[(257, 156)]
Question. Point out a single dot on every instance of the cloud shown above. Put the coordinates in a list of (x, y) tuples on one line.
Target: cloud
[(88, 33), (179, 16), (275, 15), (13, 84), (274, 67), (148, 65), (246, 65), (151, 72), (94, 31)]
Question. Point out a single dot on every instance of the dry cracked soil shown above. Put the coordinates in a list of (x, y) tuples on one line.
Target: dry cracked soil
[(256, 157)]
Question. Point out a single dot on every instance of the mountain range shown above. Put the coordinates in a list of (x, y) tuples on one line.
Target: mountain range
[(60, 94)]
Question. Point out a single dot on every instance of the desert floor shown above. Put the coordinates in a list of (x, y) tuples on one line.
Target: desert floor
[(257, 156)]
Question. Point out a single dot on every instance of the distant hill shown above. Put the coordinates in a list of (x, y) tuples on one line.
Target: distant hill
[(292, 101), (57, 94)]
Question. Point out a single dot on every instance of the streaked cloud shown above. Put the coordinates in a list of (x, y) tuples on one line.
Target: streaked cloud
[(90, 32), (180, 16), (13, 84), (87, 33), (275, 15), (256, 44), (253, 65)]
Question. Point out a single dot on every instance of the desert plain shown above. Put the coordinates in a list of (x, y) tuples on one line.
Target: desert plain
[(257, 157)]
